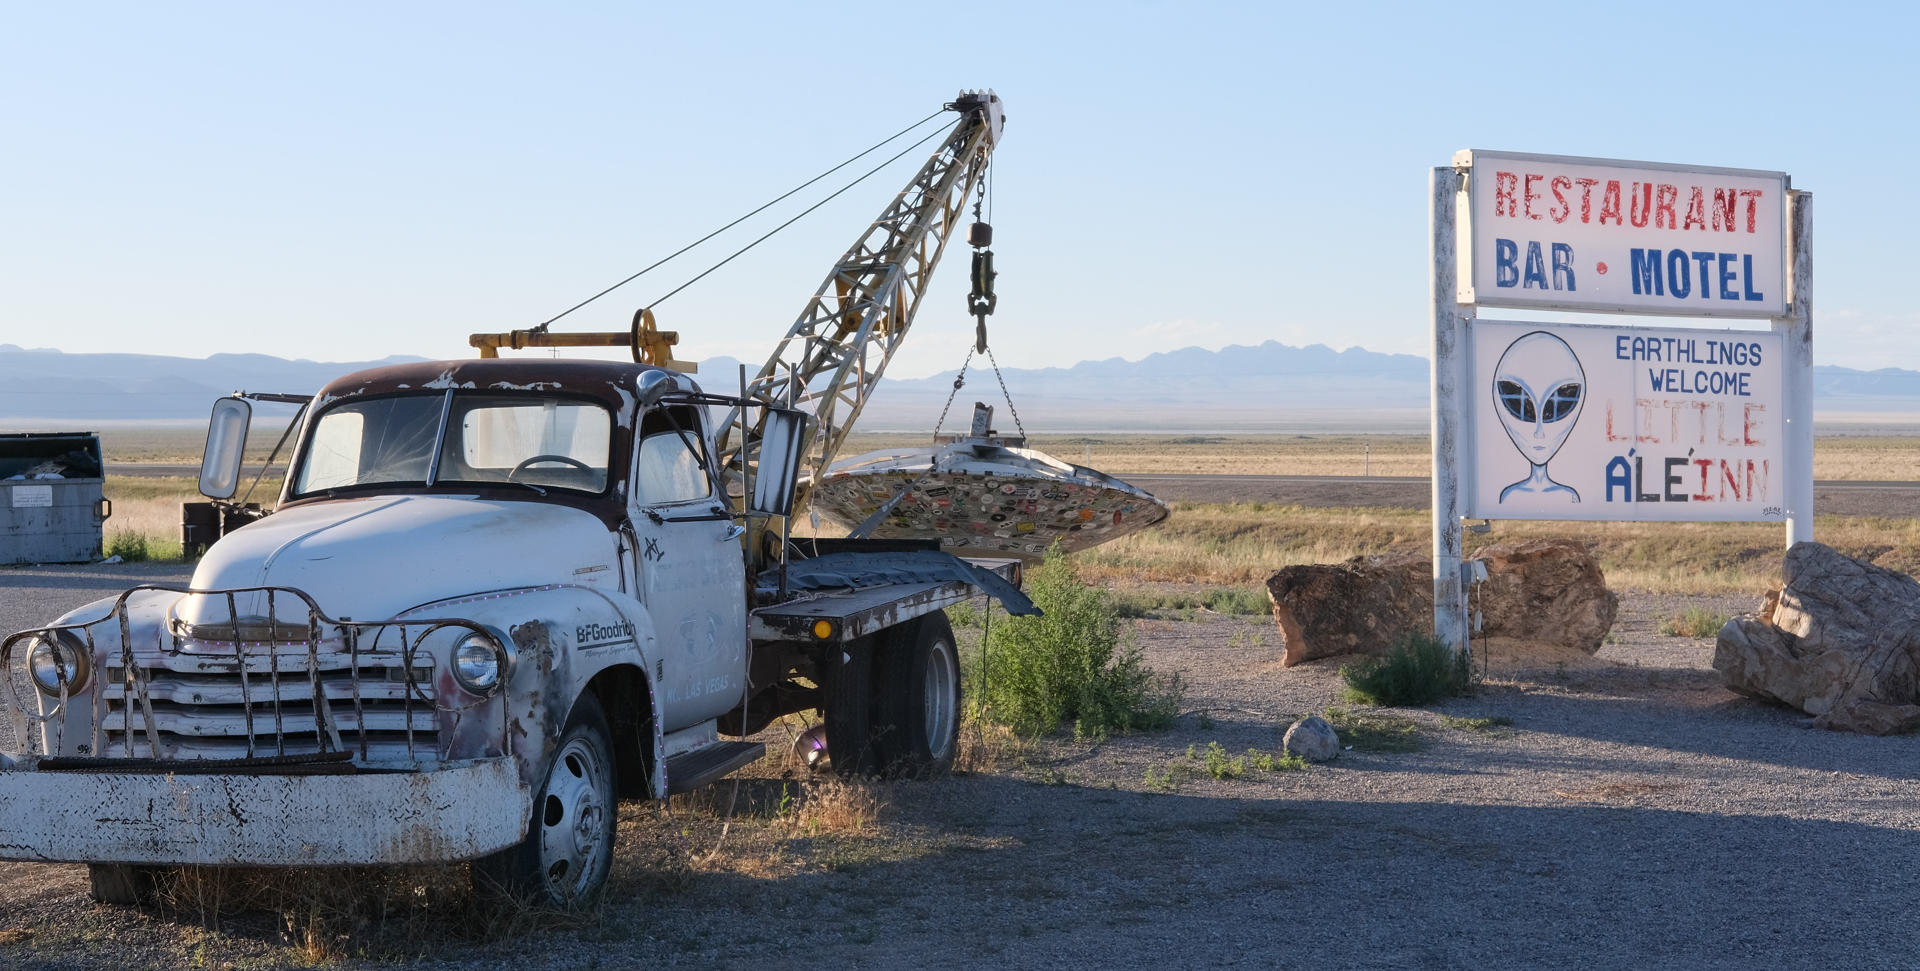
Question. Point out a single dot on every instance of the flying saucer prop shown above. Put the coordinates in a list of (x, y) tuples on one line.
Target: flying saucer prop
[(980, 496)]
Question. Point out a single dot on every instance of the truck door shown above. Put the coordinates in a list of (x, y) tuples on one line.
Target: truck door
[(691, 572)]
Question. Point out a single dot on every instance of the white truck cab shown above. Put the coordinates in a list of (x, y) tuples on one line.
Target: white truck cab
[(496, 595)]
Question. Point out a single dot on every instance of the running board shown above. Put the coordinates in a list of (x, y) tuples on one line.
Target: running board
[(704, 766)]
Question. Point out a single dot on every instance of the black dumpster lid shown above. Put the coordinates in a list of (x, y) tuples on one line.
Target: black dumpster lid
[(70, 455)]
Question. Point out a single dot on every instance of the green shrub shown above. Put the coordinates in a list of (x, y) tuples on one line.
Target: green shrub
[(1287, 762), (1075, 664), (1693, 622), (964, 614), (1416, 671), (129, 546), (1221, 767)]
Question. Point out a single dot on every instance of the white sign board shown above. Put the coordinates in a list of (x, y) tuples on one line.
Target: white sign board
[(1560, 233), (1624, 423), (32, 496)]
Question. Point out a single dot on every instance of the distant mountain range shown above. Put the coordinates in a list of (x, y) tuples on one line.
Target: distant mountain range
[(1270, 387), (41, 383)]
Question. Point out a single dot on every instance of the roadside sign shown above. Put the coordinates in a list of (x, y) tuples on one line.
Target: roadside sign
[(1615, 422), (1624, 423), (1581, 234)]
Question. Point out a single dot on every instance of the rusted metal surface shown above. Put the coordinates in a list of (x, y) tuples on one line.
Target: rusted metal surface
[(861, 594), (456, 812), (650, 344), (856, 613)]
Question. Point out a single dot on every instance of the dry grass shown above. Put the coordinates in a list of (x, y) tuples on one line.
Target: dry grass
[(1869, 457), (1242, 543), (986, 747), (147, 508), (184, 442), (1837, 455), (1247, 542), (1225, 547), (324, 916)]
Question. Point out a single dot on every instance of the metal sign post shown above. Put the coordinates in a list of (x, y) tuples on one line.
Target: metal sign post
[(1449, 424), (1796, 333), (1623, 422)]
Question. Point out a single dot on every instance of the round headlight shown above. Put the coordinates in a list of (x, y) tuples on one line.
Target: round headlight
[(476, 663), (50, 659)]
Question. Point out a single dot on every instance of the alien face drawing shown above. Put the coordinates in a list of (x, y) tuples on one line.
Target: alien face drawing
[(1538, 390)]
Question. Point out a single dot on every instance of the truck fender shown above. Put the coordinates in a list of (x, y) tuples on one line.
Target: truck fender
[(563, 641)]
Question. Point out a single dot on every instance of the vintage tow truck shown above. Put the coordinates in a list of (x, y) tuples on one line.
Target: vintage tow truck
[(496, 596)]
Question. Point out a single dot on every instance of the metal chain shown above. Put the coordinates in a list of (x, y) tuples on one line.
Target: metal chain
[(961, 379), (1015, 412)]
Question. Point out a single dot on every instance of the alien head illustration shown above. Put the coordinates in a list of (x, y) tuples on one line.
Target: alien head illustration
[(1538, 390)]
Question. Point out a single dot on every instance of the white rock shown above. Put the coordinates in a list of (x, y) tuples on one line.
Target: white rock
[(1312, 739)]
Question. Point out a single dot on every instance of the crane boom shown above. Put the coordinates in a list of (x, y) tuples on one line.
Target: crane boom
[(834, 354)]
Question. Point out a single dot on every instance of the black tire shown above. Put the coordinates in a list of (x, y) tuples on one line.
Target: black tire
[(849, 706), (123, 883), (563, 862), (917, 705)]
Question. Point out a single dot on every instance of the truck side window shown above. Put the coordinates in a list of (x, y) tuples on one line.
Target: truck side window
[(669, 468)]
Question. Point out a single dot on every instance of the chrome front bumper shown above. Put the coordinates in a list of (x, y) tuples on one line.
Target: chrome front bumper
[(461, 811)]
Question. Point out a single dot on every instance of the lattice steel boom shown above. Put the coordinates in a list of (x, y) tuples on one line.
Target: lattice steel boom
[(830, 360)]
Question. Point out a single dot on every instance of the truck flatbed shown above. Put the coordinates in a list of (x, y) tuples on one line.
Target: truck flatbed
[(865, 603)]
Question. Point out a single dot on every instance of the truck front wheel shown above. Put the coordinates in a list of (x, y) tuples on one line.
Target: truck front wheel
[(568, 851), (917, 708)]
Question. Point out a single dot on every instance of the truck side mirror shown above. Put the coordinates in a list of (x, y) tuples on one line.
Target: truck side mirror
[(782, 438), (226, 444)]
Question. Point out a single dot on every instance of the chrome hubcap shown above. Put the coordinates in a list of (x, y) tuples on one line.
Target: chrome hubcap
[(941, 699), (573, 820)]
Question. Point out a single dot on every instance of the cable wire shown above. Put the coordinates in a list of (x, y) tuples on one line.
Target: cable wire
[(782, 197), (803, 213)]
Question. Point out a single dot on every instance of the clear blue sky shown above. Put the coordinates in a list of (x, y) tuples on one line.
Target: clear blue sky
[(345, 181)]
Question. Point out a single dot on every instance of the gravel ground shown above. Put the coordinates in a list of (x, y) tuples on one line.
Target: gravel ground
[(1635, 813)]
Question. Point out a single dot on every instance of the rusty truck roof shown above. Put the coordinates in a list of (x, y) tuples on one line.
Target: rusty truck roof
[(613, 382)]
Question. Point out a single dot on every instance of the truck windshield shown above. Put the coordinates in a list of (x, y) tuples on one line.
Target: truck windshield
[(549, 443)]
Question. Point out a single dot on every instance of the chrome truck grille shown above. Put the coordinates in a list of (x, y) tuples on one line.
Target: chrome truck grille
[(241, 687)]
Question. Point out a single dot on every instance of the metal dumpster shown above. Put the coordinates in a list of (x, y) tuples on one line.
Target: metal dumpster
[(51, 505)]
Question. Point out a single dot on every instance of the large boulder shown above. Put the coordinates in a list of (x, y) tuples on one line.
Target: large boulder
[(1545, 591), (1541, 591), (1364, 604), (1839, 640)]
